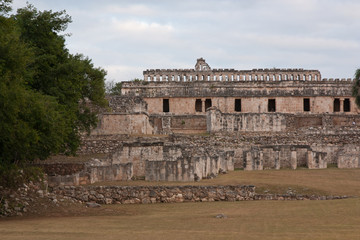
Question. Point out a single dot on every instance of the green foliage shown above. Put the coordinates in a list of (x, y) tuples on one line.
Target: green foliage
[(5, 6), (113, 88), (13, 176), (46, 94), (356, 87)]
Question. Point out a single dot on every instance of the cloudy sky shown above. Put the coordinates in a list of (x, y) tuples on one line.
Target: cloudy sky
[(127, 37)]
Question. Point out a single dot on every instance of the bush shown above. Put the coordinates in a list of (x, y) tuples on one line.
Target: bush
[(13, 176)]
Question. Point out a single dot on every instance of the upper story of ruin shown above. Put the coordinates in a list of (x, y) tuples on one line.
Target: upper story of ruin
[(203, 72), (203, 81)]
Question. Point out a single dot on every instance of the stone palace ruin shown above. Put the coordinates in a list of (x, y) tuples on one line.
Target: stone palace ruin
[(189, 124)]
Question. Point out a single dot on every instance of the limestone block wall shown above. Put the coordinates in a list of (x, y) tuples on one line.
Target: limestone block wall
[(157, 194), (127, 104), (274, 122), (123, 123), (349, 157), (89, 174), (283, 156), (258, 122), (169, 123), (160, 161), (190, 167), (325, 87), (136, 153), (252, 104)]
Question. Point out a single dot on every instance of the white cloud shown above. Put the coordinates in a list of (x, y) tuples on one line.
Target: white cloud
[(135, 9), (141, 26), (303, 42)]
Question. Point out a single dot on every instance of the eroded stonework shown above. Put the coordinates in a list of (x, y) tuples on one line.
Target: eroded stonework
[(189, 124)]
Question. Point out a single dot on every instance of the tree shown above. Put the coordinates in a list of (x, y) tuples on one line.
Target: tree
[(113, 88), (71, 79), (44, 90), (31, 123), (356, 87)]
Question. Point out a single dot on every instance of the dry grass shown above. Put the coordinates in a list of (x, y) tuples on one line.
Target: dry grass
[(331, 181), (336, 219)]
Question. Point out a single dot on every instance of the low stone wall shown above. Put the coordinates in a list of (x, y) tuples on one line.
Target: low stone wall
[(295, 197), (156, 194), (88, 174), (61, 169)]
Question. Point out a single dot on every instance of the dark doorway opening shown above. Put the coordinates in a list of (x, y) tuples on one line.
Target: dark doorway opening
[(198, 105), (346, 105), (208, 103), (336, 105), (166, 107), (237, 105), (271, 105), (306, 105)]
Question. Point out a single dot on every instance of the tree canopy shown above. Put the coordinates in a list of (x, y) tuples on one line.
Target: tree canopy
[(44, 90)]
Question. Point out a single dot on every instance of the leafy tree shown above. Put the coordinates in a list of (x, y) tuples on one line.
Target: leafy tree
[(31, 123), (113, 88), (71, 79), (44, 90), (356, 87), (5, 6)]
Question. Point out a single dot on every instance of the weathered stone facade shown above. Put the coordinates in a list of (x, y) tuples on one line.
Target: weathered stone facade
[(189, 124)]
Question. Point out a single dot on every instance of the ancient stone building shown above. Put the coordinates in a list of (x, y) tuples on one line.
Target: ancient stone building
[(192, 91), (188, 124)]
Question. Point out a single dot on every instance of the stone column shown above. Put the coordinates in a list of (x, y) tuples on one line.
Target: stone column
[(293, 160), (277, 157), (203, 105), (249, 161), (341, 105), (261, 160), (310, 160)]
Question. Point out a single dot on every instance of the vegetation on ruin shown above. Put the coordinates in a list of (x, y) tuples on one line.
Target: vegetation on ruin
[(356, 87), (113, 88), (44, 90)]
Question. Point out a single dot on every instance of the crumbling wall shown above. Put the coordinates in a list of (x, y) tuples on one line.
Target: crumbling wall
[(127, 104), (168, 123), (283, 156), (137, 153), (252, 122), (157, 194), (190, 166), (164, 161), (349, 157), (89, 173), (123, 123), (273, 122)]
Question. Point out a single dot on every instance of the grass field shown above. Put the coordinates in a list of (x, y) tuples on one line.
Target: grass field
[(336, 219), (331, 181)]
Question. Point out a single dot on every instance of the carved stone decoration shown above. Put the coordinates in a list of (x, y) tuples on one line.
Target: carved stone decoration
[(201, 65)]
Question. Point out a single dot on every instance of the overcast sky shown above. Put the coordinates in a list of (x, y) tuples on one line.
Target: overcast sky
[(127, 37)]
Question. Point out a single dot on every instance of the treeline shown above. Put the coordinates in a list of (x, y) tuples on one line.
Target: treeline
[(44, 89)]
